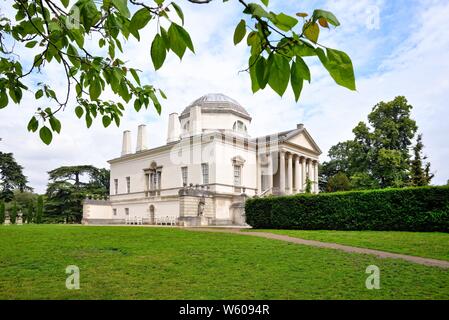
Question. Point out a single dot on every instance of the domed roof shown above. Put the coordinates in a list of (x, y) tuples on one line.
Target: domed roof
[(216, 103)]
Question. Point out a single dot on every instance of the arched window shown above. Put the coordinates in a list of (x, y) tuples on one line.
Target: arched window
[(239, 126), (186, 127)]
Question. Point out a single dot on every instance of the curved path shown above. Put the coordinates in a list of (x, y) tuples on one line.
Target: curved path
[(329, 245)]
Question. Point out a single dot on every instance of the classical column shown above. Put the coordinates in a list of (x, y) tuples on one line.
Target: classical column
[(315, 171), (310, 171), (297, 175), (259, 175), (290, 173), (282, 172), (303, 174), (270, 171)]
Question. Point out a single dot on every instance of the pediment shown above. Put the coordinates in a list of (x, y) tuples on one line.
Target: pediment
[(303, 139)]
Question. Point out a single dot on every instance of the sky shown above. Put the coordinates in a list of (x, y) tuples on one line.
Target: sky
[(397, 48)]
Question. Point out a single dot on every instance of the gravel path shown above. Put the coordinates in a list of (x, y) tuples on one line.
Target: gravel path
[(319, 244)]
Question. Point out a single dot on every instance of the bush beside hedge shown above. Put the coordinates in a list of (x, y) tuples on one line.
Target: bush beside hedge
[(408, 209)]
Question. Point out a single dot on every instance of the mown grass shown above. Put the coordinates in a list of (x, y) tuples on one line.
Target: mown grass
[(163, 263), (423, 244)]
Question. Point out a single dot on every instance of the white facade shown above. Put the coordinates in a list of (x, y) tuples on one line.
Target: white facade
[(206, 170)]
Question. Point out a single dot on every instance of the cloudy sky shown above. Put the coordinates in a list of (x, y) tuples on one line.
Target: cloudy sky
[(398, 48)]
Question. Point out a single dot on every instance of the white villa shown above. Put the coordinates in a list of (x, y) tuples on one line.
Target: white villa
[(205, 171)]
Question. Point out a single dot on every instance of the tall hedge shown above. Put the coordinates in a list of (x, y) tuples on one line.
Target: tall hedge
[(408, 209)]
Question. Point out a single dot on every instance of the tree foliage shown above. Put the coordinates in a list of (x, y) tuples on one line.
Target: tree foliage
[(379, 155), (13, 213), (338, 182), (85, 38), (39, 209), (69, 186), (2, 212), (11, 177)]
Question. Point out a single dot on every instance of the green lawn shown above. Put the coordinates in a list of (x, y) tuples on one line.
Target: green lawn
[(423, 244), (163, 263)]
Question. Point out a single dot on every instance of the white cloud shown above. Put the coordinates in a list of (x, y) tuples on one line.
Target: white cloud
[(387, 65)]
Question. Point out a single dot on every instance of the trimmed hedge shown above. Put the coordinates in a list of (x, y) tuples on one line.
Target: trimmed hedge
[(407, 209)]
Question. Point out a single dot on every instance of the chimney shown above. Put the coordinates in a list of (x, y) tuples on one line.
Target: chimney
[(141, 138), (299, 126), (195, 120), (174, 128), (126, 144)]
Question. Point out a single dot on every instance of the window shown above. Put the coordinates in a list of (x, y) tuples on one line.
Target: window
[(239, 126), (184, 174), (116, 186), (127, 211), (155, 180), (186, 127), (237, 175), (128, 184), (205, 171), (114, 212)]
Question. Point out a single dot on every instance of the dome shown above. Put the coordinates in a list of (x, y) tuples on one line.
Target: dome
[(217, 103)]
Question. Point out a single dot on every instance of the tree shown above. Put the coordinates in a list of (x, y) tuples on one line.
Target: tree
[(338, 182), (2, 212), (308, 185), (39, 209), (11, 177), (30, 213), (85, 40), (13, 215), (419, 173), (69, 186), (379, 155)]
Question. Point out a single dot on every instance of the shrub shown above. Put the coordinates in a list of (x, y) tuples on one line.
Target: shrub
[(2, 212), (39, 209), (13, 215), (407, 209)]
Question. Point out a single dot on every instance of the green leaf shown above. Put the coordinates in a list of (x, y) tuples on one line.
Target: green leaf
[(158, 52), (31, 44), (261, 72), (339, 66), (312, 31), (135, 75), (252, 73), (178, 11), (45, 135), (65, 3), (240, 31), (265, 2), (94, 89), (55, 124), (3, 99), (297, 80), (88, 120), (177, 44), (285, 22), (33, 124), (106, 121), (39, 93), (139, 20), (122, 6), (329, 16), (79, 112), (303, 69), (279, 74), (185, 37)]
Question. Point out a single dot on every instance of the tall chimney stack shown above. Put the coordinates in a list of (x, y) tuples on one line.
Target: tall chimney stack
[(141, 138), (195, 120), (174, 128), (126, 144)]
